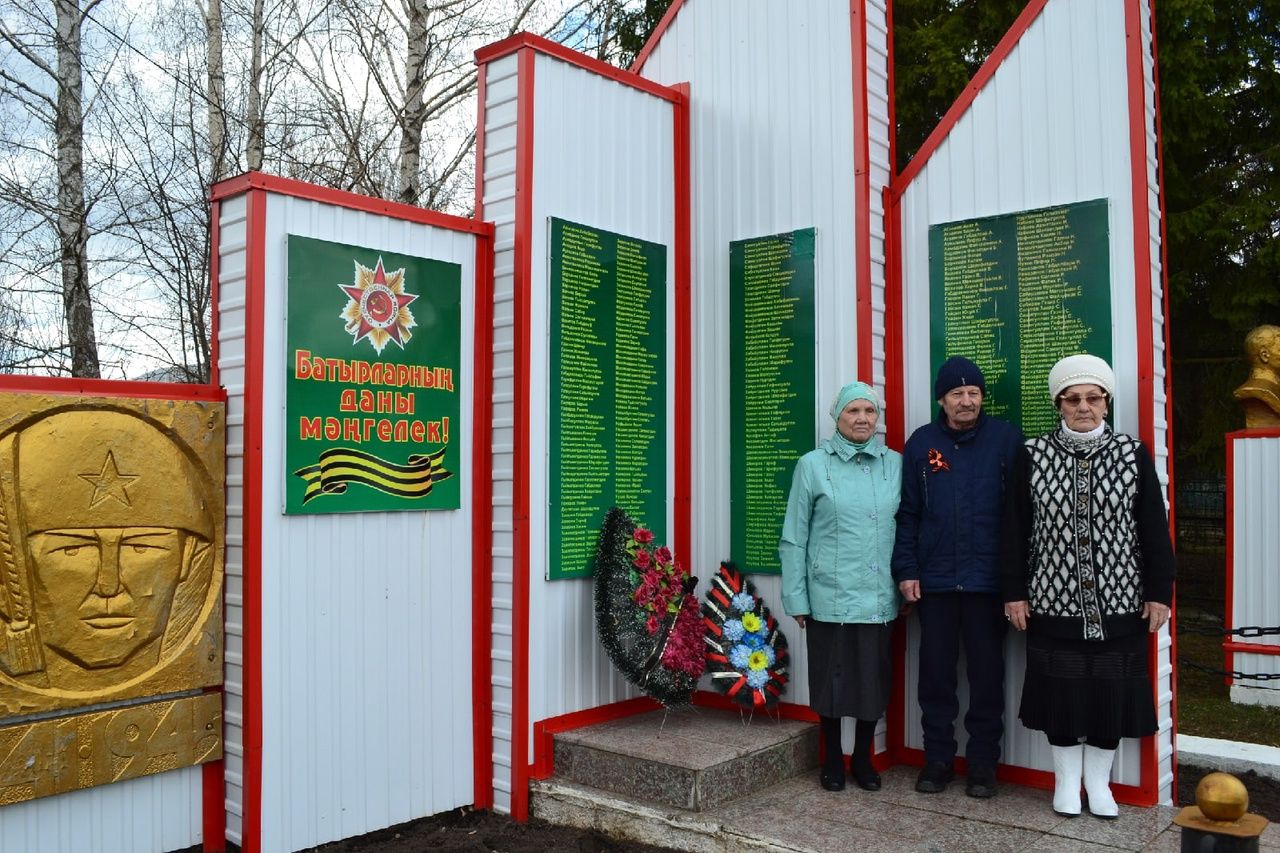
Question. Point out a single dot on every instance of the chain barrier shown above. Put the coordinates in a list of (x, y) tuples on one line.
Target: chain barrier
[(1234, 674), (1217, 630)]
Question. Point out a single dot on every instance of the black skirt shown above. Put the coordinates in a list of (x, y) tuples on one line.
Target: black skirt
[(850, 672), (1085, 688)]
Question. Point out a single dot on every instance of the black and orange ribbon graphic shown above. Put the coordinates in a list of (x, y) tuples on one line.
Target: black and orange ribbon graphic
[(342, 465), (937, 461)]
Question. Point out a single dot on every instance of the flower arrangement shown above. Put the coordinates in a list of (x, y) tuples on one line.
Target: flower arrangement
[(646, 612), (746, 651)]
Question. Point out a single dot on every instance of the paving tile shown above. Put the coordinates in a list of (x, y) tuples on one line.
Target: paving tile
[(976, 835), (817, 834), (1058, 844), (1132, 830), (1013, 805), (1169, 841)]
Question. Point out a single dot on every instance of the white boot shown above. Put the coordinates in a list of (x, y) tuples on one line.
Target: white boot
[(1066, 779), (1097, 781)]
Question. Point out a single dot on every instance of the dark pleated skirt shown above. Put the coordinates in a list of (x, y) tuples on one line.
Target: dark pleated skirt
[(849, 669), (1083, 688)]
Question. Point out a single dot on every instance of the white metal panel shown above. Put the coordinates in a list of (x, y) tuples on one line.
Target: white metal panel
[(1050, 128), (150, 813), (497, 172), (366, 641), (614, 171), (1255, 554), (772, 129), (232, 265)]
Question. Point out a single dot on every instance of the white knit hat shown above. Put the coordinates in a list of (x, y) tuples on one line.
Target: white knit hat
[(1081, 370)]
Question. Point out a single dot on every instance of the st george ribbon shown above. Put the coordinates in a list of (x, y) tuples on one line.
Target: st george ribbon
[(339, 466)]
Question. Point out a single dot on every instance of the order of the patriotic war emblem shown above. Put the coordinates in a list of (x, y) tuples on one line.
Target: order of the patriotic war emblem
[(378, 307)]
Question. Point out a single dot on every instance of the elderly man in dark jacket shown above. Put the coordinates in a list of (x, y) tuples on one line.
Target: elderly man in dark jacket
[(946, 558)]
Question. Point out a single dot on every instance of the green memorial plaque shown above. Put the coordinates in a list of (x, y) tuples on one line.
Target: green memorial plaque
[(771, 387), (1016, 293), (608, 378), (374, 366)]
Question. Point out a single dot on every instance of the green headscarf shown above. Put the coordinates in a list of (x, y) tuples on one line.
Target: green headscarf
[(849, 393)]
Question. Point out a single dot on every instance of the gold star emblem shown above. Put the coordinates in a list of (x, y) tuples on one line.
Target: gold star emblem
[(110, 483)]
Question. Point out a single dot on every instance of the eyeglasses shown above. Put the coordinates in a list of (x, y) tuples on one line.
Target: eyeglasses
[(1093, 400)]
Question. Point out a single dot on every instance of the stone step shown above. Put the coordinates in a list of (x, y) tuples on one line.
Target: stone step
[(692, 758)]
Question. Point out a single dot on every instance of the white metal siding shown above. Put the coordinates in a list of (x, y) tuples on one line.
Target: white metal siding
[(602, 156), (151, 813), (1051, 127), (1255, 549), (772, 129), (497, 171), (366, 640), (232, 265)]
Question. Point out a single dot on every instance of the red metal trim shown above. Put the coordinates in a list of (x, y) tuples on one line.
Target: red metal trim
[(519, 41), (1130, 795), (1024, 21), (482, 75), (682, 512), (341, 198), (213, 807), (1251, 648), (544, 731), (482, 524), (656, 35), (110, 388), (520, 466), (1254, 432), (255, 295), (893, 116), (894, 393), (1135, 57), (215, 239), (861, 189)]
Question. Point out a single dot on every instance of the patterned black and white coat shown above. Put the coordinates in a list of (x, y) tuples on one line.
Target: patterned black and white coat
[(1086, 537)]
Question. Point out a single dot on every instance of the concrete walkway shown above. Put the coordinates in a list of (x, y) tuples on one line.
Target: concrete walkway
[(797, 815)]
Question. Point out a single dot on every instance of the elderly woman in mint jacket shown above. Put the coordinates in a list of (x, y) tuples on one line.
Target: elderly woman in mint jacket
[(836, 545)]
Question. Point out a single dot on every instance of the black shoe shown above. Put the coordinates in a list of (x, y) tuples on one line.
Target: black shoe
[(935, 777), (865, 775), (832, 779), (982, 781)]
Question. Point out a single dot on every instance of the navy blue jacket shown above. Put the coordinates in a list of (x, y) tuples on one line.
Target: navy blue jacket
[(953, 487)]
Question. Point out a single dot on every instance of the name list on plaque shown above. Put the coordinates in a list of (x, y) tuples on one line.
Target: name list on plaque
[(608, 389), (771, 387), (1015, 293)]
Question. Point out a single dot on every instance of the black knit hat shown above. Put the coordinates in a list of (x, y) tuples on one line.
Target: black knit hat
[(955, 372)]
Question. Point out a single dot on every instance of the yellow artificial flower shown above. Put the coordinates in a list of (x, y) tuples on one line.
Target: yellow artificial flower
[(750, 622), (757, 660)]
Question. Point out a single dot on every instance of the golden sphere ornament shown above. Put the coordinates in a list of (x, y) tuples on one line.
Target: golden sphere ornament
[(1222, 797)]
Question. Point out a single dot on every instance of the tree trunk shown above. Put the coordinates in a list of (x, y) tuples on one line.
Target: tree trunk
[(256, 145), (414, 115), (216, 86), (73, 232)]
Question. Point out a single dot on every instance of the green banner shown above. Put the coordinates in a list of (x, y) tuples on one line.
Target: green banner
[(608, 378), (771, 387), (1015, 293), (374, 372)]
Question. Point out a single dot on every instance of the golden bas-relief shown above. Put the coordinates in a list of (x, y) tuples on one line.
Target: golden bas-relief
[(111, 569)]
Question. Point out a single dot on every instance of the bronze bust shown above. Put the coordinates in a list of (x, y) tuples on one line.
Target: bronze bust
[(1259, 396)]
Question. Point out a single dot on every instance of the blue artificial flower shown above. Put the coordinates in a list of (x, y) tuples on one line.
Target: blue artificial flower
[(738, 656), (757, 678), (768, 653), (733, 630), (754, 641), (743, 602)]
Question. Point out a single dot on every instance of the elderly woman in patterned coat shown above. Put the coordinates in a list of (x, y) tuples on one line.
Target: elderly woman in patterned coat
[(1088, 573)]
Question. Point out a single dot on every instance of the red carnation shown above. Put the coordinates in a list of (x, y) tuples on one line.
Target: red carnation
[(643, 535), (641, 560), (663, 556)]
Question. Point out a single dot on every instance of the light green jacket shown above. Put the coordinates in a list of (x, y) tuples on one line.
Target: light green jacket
[(837, 538)]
